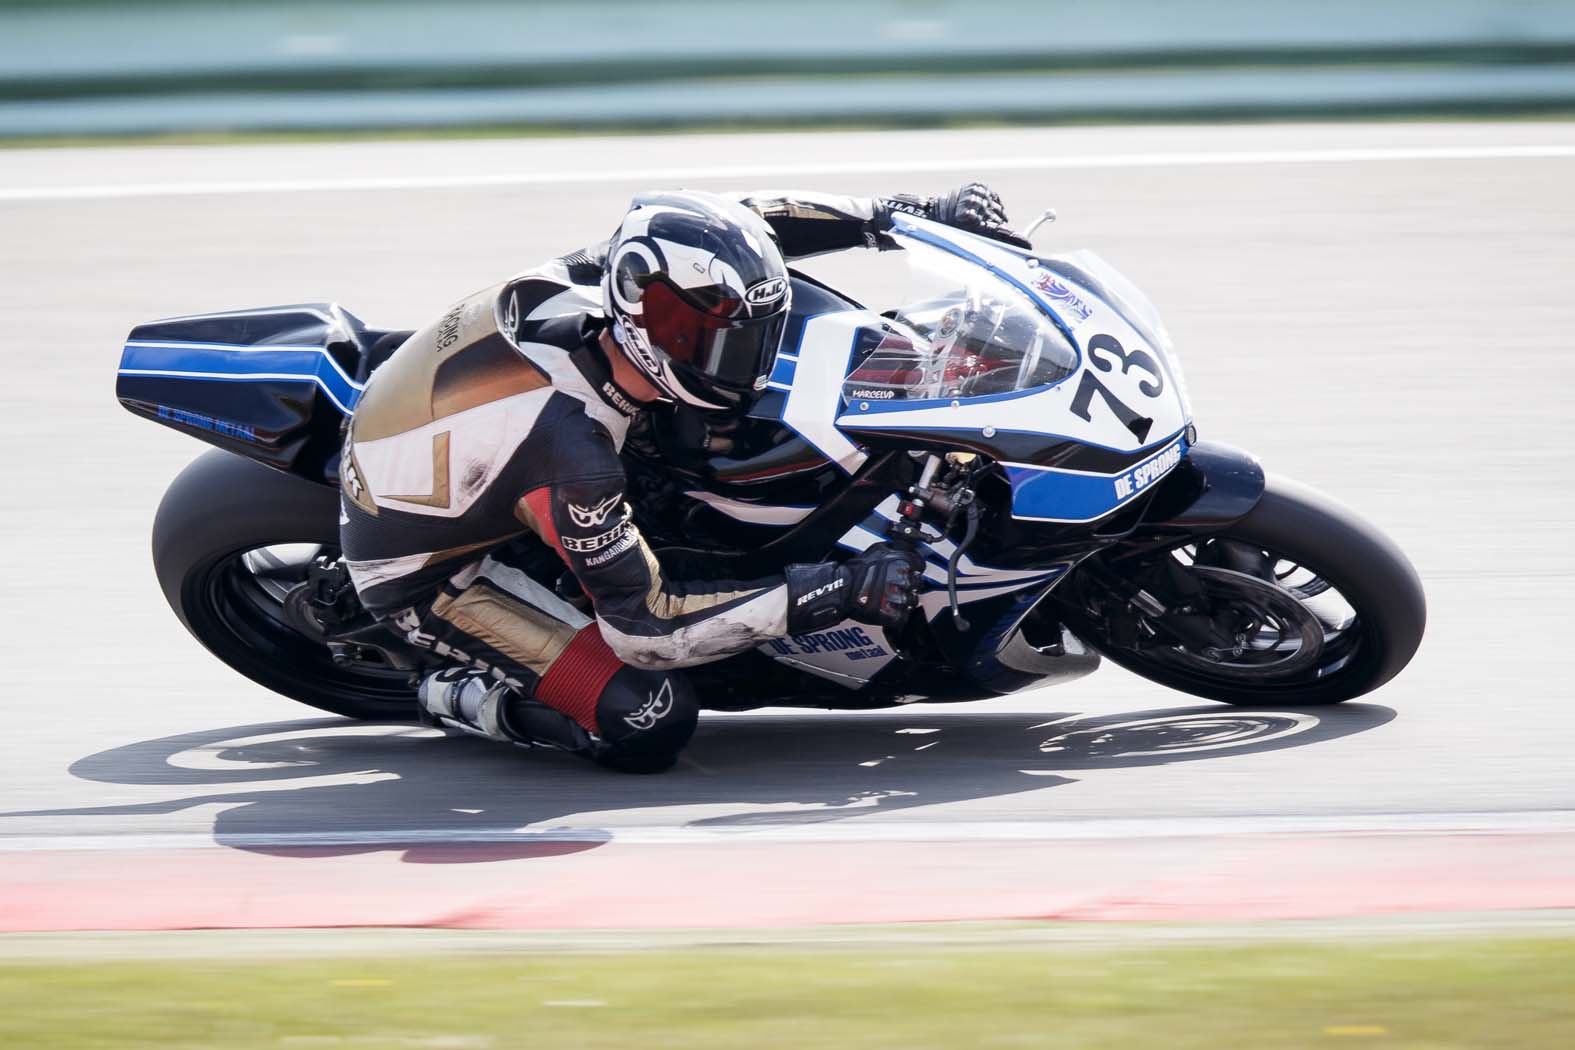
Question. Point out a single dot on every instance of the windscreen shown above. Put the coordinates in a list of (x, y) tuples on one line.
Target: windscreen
[(966, 334)]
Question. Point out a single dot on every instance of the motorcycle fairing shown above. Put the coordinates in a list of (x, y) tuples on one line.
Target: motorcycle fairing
[(1039, 434), (812, 374), (771, 515), (1072, 496), (975, 582), (271, 384), (849, 654), (284, 344)]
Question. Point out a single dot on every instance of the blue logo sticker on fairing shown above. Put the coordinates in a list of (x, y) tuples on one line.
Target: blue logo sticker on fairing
[(209, 423), (853, 642), (1060, 292), (1048, 494)]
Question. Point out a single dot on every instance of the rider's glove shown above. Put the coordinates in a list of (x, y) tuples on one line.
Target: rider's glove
[(879, 586), (974, 207)]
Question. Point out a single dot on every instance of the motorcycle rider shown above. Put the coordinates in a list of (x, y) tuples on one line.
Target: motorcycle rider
[(495, 430)]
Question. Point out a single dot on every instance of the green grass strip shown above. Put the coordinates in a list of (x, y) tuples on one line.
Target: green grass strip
[(1475, 992)]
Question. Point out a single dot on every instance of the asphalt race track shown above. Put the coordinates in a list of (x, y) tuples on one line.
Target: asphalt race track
[(1383, 311)]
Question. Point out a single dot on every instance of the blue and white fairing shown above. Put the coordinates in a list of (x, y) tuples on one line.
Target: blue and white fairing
[(852, 654), (1054, 366), (272, 384)]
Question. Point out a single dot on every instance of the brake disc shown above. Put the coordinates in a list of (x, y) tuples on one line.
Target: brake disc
[(1280, 636)]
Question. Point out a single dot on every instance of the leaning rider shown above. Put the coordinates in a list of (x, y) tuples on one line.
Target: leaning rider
[(495, 430)]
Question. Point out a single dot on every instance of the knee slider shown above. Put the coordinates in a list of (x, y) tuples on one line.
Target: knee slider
[(646, 718)]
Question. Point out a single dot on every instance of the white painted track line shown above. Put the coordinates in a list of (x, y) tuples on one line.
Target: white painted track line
[(1554, 822), (896, 165)]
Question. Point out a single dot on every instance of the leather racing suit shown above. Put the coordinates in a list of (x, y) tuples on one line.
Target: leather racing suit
[(495, 430)]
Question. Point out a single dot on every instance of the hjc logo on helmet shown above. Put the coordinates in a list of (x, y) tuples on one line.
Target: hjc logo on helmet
[(633, 340), (766, 292)]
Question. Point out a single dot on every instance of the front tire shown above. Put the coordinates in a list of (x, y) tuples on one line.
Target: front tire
[(1291, 524), (215, 540)]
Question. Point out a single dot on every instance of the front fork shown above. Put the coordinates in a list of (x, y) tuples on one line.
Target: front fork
[(945, 498)]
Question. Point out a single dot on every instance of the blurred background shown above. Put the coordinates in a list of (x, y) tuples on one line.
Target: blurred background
[(119, 67), (1357, 219)]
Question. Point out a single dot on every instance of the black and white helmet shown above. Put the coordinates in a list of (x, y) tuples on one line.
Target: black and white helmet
[(697, 293)]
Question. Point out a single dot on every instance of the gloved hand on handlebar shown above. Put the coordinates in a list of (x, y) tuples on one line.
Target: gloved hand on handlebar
[(974, 207), (879, 586)]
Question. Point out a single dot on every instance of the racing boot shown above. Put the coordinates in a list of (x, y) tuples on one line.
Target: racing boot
[(459, 698), (473, 702)]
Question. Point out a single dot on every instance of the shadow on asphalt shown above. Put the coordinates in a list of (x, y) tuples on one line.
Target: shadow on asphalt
[(330, 777)]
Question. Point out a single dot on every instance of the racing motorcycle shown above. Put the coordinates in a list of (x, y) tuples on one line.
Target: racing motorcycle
[(1021, 420)]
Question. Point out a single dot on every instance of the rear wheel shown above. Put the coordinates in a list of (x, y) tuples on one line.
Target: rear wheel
[(1300, 602), (234, 545)]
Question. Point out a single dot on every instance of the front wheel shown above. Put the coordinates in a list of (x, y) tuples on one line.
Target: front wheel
[(1301, 602)]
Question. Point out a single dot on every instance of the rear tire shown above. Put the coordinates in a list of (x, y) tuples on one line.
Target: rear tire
[(218, 509), (1353, 556)]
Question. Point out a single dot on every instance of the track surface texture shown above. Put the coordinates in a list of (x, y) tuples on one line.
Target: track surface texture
[(1382, 311)]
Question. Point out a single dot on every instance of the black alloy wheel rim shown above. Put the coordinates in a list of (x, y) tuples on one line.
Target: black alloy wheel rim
[(1274, 635), (244, 597), (1343, 631)]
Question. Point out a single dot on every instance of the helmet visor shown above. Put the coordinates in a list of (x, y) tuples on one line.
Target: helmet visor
[(730, 351)]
